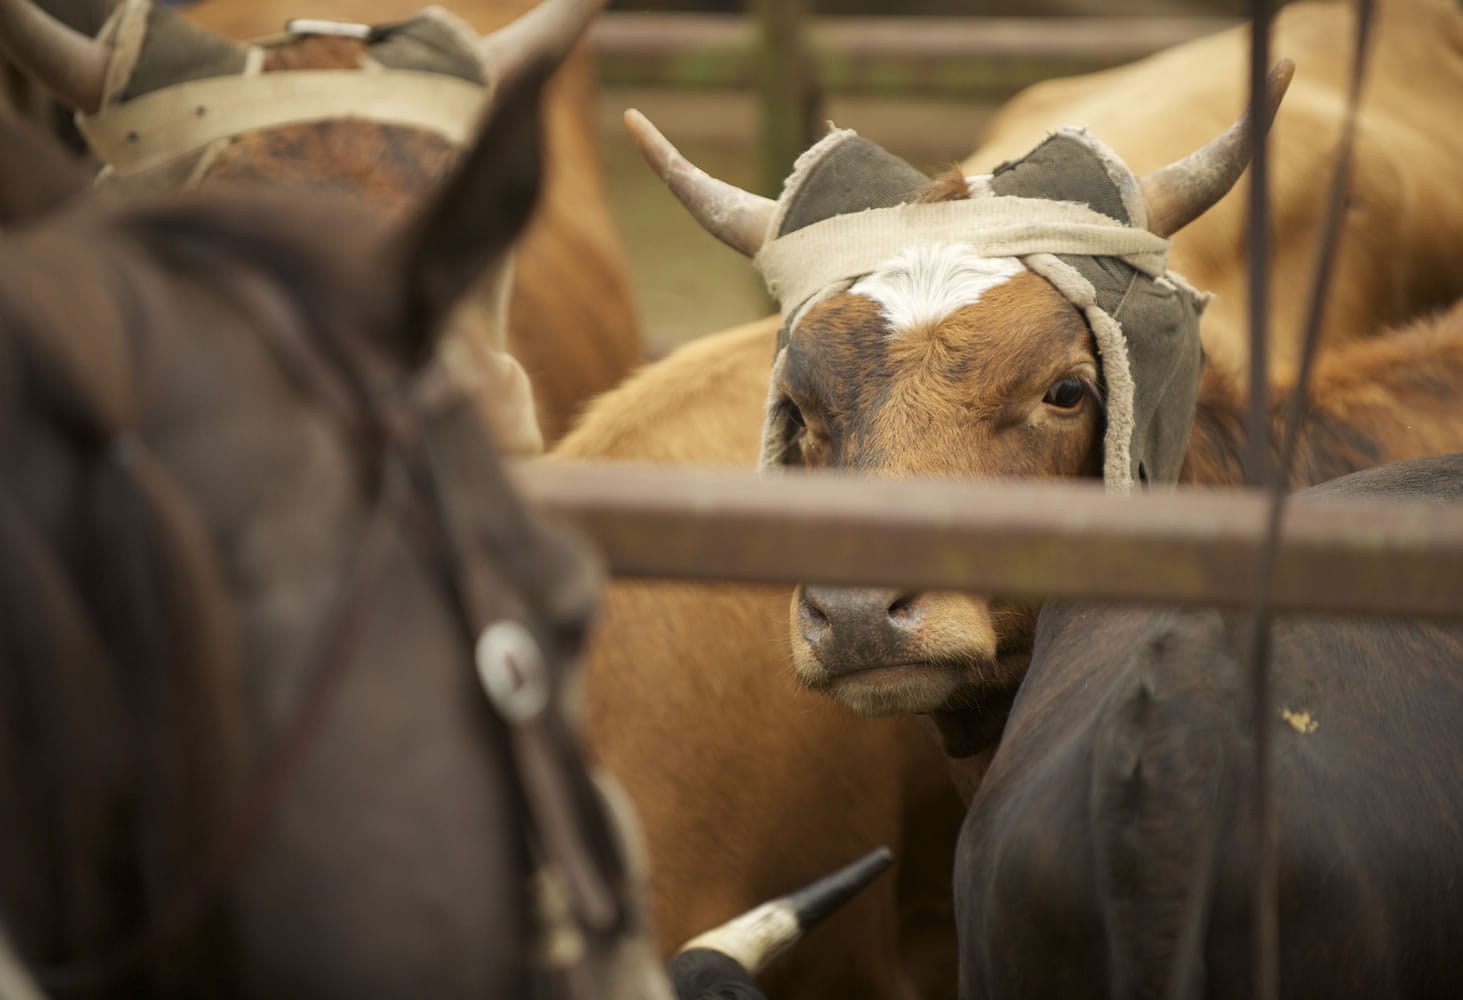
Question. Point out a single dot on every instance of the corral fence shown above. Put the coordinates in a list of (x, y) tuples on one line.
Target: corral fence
[(792, 60), (1032, 539)]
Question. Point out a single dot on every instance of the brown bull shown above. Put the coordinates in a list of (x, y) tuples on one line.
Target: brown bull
[(890, 406), (570, 321), (691, 705), (943, 359)]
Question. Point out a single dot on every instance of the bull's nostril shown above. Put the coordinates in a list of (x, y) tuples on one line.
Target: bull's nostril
[(815, 624), (815, 615), (903, 609)]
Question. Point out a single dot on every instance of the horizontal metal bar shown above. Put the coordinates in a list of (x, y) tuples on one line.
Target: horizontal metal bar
[(904, 55), (1020, 539)]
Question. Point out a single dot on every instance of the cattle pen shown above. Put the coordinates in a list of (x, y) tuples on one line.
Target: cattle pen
[(493, 595)]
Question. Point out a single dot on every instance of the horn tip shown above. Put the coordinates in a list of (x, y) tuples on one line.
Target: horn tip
[(1281, 75), (653, 145), (816, 902)]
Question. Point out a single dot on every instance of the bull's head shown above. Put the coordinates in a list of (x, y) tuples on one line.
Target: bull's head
[(938, 357), (51, 42), (166, 104)]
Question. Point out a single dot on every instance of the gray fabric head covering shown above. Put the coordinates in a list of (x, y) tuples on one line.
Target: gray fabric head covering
[(1147, 327), (174, 51), (154, 49), (841, 174)]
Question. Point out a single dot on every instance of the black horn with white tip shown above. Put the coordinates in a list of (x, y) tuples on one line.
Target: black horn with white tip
[(722, 962)]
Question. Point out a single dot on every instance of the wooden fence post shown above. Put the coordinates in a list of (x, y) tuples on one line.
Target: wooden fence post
[(788, 89)]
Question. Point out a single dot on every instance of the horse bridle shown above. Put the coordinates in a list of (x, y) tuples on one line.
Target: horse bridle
[(578, 892)]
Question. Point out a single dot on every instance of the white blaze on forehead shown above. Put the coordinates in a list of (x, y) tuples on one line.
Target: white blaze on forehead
[(923, 285)]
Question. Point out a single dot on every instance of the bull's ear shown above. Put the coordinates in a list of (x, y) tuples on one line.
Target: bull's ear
[(781, 426), (36, 175), (472, 222)]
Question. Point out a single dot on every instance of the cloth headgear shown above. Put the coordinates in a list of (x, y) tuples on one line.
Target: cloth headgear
[(1070, 210)]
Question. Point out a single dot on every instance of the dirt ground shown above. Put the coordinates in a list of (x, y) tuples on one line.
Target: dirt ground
[(687, 283)]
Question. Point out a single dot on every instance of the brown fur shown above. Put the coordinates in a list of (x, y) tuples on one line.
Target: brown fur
[(1386, 400), (743, 783), (315, 52), (385, 167)]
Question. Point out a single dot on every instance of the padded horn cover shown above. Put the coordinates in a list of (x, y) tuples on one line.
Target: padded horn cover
[(1159, 318), (840, 174), (155, 48), (433, 41)]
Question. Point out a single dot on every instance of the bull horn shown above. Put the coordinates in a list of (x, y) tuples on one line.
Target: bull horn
[(758, 936), (737, 218), (1184, 190), (68, 64), (548, 32)]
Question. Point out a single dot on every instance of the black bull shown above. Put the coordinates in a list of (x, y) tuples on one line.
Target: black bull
[(1109, 849)]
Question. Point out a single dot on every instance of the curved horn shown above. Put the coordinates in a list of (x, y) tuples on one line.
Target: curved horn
[(737, 218), (548, 32), (61, 59), (1184, 190), (758, 936)]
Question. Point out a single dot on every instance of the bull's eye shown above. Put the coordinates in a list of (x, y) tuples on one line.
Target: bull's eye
[(796, 434), (1066, 394), (797, 426)]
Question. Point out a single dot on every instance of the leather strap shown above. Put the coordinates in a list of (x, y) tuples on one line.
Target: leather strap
[(156, 128)]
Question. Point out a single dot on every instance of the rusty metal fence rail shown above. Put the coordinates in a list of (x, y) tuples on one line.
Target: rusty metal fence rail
[(1022, 539)]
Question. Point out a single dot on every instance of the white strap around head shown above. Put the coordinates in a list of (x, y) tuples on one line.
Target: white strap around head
[(156, 128), (845, 247)]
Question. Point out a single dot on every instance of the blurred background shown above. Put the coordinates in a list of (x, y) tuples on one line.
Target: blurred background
[(919, 77)]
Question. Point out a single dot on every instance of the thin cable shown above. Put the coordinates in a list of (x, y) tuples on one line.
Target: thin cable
[(1257, 454), (1266, 939)]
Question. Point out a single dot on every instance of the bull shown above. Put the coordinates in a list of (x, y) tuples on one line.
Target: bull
[(942, 360), (1109, 850), (567, 318)]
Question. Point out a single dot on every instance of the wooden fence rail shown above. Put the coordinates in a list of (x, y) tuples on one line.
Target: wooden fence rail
[(965, 57), (1007, 538)]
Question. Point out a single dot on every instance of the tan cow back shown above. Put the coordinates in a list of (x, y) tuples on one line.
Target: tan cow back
[(1403, 231)]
